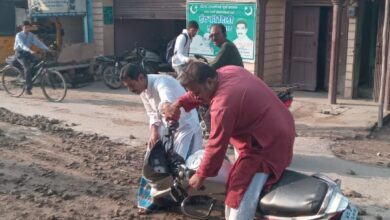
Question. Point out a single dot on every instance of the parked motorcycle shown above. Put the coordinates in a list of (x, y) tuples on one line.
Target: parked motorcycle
[(110, 66), (285, 95), (295, 196)]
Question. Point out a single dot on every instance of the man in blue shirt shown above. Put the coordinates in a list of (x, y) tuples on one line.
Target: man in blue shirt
[(23, 53)]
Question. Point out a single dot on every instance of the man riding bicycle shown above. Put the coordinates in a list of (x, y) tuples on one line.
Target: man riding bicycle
[(23, 53)]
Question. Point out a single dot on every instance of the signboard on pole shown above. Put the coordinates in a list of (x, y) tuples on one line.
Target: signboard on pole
[(42, 8), (240, 22)]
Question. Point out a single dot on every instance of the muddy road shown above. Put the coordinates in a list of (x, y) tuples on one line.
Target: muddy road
[(58, 168), (50, 171)]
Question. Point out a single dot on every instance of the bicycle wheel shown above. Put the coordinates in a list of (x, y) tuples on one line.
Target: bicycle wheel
[(53, 86), (13, 81), (111, 78)]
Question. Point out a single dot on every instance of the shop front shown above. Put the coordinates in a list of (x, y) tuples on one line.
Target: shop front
[(150, 24)]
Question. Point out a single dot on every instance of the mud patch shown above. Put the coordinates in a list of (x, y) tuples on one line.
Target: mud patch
[(371, 152), (50, 171), (122, 121), (374, 149)]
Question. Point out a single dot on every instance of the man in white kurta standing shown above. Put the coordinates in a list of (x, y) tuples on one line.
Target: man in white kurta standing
[(181, 52), (157, 92)]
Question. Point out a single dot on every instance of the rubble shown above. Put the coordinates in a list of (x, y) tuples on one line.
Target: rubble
[(352, 193), (63, 165)]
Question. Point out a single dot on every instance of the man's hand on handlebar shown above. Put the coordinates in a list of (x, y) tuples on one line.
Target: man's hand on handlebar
[(196, 182), (171, 112), (154, 136)]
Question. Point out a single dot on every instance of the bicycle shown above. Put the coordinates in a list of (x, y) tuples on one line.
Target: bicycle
[(52, 82)]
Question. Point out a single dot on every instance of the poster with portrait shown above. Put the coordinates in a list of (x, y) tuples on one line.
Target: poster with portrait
[(240, 22), (40, 8)]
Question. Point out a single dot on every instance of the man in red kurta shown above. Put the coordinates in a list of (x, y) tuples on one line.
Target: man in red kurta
[(245, 112)]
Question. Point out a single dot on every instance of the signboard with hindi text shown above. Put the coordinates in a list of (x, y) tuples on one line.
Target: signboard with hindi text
[(41, 8), (238, 18)]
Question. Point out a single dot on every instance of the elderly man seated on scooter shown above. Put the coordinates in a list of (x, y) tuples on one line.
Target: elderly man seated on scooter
[(157, 92), (245, 112)]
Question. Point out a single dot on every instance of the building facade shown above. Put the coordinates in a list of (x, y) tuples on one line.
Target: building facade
[(319, 45)]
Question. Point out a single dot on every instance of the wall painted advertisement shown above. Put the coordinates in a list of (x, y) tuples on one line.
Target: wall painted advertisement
[(240, 22), (39, 8)]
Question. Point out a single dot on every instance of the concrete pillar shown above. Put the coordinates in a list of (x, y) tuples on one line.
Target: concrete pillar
[(103, 33), (333, 73)]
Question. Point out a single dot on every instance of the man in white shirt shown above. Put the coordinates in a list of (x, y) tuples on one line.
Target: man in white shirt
[(181, 54), (23, 53), (157, 92)]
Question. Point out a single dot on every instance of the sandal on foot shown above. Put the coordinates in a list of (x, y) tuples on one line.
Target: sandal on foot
[(142, 211)]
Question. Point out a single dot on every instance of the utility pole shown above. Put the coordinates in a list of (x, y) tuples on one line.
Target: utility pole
[(383, 74)]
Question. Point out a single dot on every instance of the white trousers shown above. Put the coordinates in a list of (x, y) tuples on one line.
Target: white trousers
[(249, 203), (187, 141)]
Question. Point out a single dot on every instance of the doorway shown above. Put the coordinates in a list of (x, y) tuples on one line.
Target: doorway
[(364, 64), (311, 32), (324, 46)]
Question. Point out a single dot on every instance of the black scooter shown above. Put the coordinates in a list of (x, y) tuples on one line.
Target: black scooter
[(296, 196)]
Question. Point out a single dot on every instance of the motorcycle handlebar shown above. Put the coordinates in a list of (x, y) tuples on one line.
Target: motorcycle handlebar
[(141, 51), (190, 173), (201, 58)]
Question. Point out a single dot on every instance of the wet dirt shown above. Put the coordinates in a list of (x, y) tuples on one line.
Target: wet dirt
[(372, 149), (50, 171)]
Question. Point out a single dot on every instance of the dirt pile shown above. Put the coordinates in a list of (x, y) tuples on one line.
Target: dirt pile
[(50, 171), (373, 149), (100, 148)]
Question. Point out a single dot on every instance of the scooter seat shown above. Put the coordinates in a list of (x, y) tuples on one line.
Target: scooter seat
[(294, 195)]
